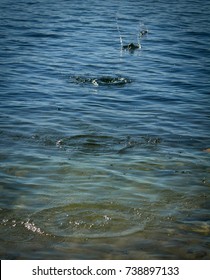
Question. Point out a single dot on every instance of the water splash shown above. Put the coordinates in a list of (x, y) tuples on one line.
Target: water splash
[(101, 80), (120, 36), (141, 32)]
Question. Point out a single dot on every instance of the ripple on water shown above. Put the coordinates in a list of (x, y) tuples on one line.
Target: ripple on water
[(101, 81), (106, 144), (90, 220)]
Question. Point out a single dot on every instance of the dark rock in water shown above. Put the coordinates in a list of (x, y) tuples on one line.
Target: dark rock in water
[(131, 47)]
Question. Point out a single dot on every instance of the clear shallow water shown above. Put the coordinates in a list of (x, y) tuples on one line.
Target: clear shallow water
[(103, 151)]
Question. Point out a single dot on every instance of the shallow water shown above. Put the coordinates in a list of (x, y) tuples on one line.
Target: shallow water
[(104, 151)]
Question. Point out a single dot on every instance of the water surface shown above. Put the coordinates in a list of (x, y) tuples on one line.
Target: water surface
[(104, 152)]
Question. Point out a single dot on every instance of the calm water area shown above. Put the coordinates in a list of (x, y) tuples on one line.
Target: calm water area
[(104, 151)]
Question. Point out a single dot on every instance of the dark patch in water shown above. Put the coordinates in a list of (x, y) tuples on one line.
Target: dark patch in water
[(89, 143), (131, 47), (143, 32), (42, 35), (101, 81), (105, 144)]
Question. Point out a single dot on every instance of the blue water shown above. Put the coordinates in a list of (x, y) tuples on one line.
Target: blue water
[(104, 151)]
